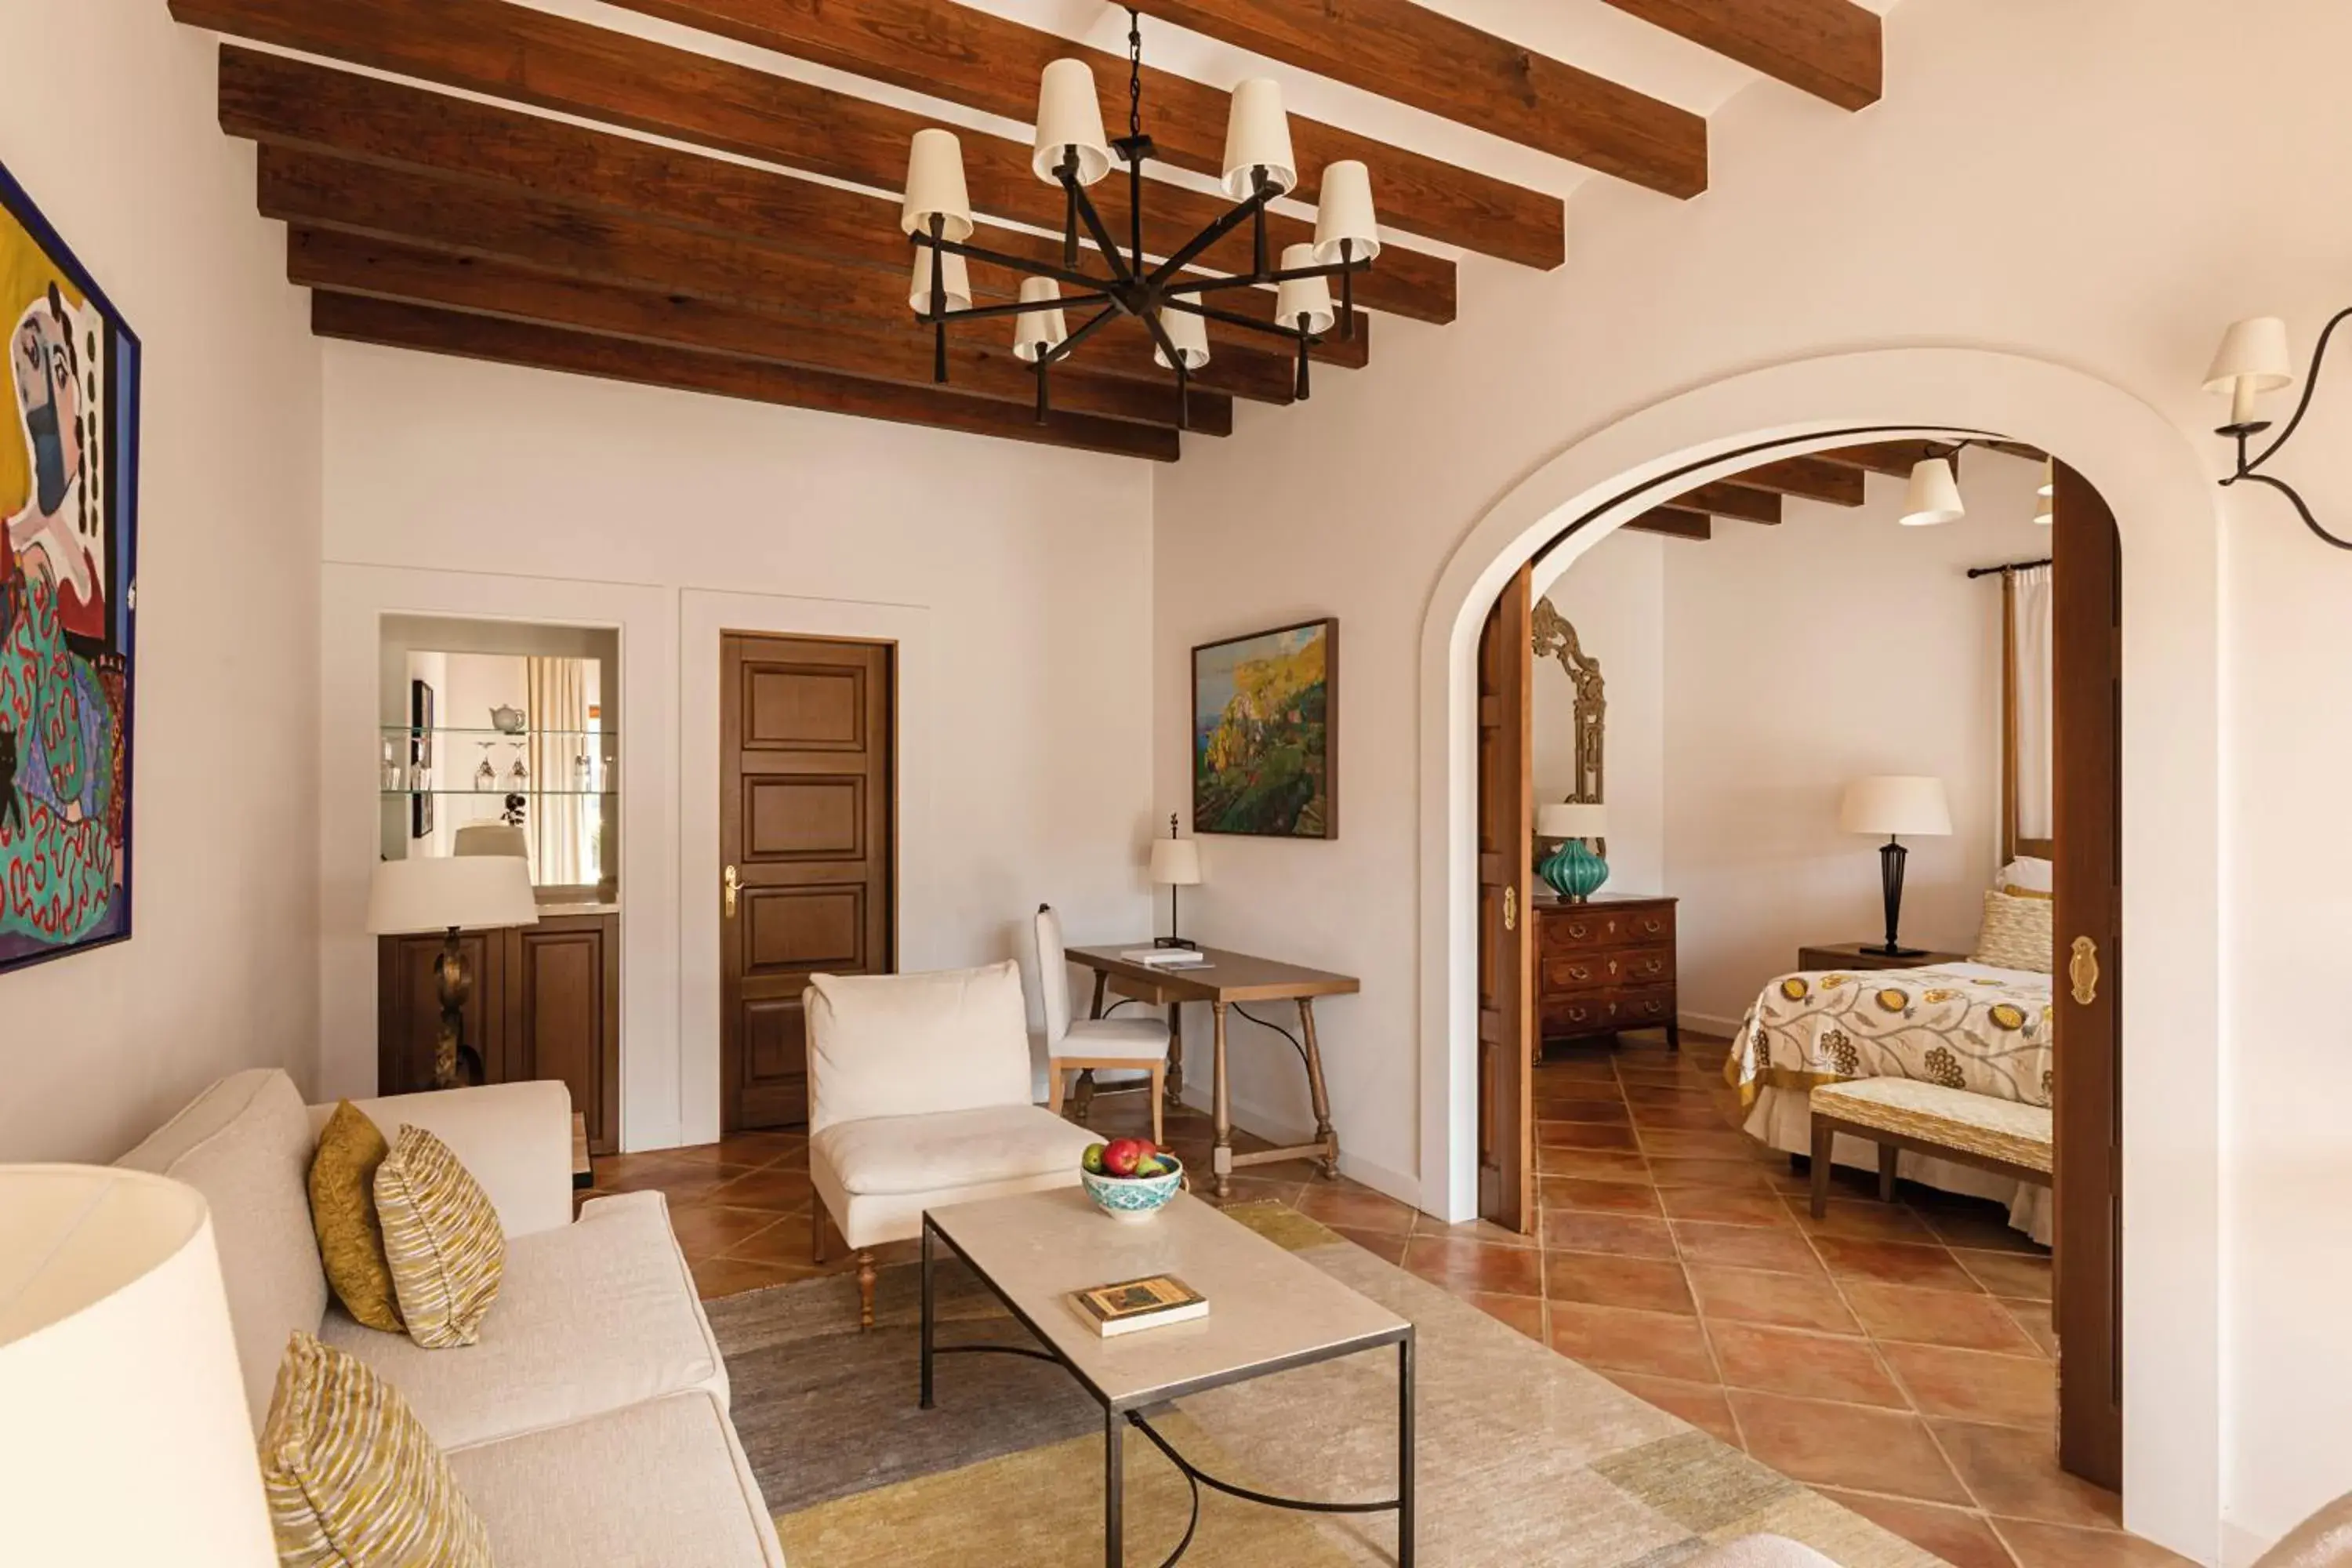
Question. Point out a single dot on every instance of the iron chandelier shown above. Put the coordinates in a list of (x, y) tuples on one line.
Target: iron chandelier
[(1072, 153)]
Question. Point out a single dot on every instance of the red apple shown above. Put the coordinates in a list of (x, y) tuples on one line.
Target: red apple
[(1120, 1157)]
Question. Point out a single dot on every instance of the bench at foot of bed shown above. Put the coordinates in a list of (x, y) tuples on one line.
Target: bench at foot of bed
[(2004, 1136)]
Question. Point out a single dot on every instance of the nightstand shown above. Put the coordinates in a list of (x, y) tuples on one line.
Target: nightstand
[(1858, 955)]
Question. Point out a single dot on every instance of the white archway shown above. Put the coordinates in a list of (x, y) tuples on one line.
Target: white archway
[(2167, 510)]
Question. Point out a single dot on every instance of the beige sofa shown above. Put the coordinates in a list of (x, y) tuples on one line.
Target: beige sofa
[(590, 1423)]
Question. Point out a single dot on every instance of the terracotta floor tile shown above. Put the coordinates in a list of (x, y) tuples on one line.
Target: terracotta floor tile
[(2022, 1277), (1665, 1094), (1621, 1235), (717, 1277), (1466, 1265), (1726, 1205), (1700, 1404), (1740, 1175), (1984, 1225), (1617, 1339), (1584, 1135), (773, 1189), (1973, 1386), (1746, 1246), (1593, 1196), (1698, 1117), (1801, 1365), (1525, 1313), (1865, 1221), (1608, 1111), (1574, 1070), (2033, 1317), (2063, 1546), (1964, 1321), (1959, 1537), (1471, 1230), (1602, 1281), (1893, 1263), (685, 1181), (705, 1230), (1725, 1145), (1784, 1300), (2014, 1472), (1379, 1243), (1600, 1165), (1358, 1208), (1846, 1445)]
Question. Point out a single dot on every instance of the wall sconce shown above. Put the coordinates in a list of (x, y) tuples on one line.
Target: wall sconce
[(2252, 359)]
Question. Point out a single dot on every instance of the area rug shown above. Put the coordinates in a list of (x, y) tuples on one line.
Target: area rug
[(1524, 1456)]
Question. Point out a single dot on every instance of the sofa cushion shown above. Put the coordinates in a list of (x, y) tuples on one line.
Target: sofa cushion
[(876, 1177), (905, 1045), (442, 1240), (245, 1143), (660, 1484), (343, 1213), (593, 1317)]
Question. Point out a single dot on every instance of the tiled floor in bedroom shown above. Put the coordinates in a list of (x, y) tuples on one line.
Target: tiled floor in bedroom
[(1896, 1357)]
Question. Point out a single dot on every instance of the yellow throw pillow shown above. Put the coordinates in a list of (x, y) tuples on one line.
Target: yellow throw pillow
[(2017, 934), (441, 1237), (2016, 892), (343, 1212), (352, 1476)]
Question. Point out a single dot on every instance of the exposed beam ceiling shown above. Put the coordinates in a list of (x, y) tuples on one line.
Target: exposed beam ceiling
[(1831, 48), (1733, 500), (1674, 523), (1895, 457), (1809, 479)]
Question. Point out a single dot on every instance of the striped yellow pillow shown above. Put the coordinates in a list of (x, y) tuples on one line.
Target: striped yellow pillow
[(352, 1476), (2016, 934), (441, 1237)]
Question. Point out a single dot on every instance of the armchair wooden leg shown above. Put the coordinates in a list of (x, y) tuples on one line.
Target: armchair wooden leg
[(1159, 1097), (816, 1231), (1054, 1087), (865, 1289)]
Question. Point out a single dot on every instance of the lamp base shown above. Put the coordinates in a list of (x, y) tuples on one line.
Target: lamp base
[(1183, 941), (1891, 950), (1575, 872)]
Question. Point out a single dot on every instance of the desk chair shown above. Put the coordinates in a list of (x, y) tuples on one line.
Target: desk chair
[(1126, 1045)]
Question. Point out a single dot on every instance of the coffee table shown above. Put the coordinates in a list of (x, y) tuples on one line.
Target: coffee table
[(1268, 1312)]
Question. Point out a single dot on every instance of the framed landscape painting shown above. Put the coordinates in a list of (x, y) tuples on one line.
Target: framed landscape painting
[(70, 499), (1265, 710)]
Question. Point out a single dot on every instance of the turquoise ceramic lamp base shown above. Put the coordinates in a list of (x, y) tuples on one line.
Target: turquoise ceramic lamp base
[(1574, 871)]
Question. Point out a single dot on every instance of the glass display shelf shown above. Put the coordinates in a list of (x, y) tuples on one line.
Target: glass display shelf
[(497, 793), (403, 732)]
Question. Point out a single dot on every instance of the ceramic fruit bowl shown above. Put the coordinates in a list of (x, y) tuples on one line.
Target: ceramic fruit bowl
[(1134, 1197)]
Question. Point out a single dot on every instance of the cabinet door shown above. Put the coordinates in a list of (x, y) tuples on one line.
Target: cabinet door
[(408, 1010), (563, 1013)]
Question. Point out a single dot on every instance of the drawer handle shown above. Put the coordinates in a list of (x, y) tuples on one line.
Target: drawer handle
[(1651, 926), (1576, 930), (1578, 972)]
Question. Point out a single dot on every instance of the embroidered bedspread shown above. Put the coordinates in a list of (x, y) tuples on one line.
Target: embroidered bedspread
[(1964, 1026)]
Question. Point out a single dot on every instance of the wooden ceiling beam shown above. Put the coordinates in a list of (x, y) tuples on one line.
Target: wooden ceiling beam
[(1895, 457), (1739, 501), (1809, 479), (1674, 523), (1831, 48), (986, 62), (1407, 52), (528, 56), (394, 325), (381, 269)]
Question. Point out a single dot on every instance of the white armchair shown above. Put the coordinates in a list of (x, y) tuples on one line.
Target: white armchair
[(919, 1097), (1080, 1045)]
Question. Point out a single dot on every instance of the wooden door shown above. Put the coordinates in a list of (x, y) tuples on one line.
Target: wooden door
[(1505, 918), (808, 816), (563, 1015), (2088, 631)]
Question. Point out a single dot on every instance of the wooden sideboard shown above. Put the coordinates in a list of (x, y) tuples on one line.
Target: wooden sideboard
[(1605, 965), (546, 1004)]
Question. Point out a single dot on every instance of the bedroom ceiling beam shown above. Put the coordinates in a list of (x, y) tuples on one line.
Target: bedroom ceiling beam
[(1674, 523), (381, 269), (1809, 479), (1726, 498), (985, 62), (1416, 56), (1831, 48), (394, 325), (524, 55)]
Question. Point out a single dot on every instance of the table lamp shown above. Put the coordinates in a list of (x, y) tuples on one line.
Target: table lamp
[(1895, 806), (1175, 863), (1574, 871), (445, 893), (492, 838), (123, 1409)]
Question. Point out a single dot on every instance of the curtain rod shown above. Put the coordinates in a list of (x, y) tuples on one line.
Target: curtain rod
[(2007, 567)]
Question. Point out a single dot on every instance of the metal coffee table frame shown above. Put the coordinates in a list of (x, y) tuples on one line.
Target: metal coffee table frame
[(1117, 1413)]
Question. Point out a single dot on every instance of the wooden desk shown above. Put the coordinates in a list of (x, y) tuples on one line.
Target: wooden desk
[(1227, 979)]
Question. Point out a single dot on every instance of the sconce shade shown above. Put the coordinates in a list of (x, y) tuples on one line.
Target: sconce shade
[(1175, 862), (1896, 804), (436, 892), (1189, 333), (1571, 819), (957, 276), (1069, 114), (1308, 297), (935, 186), (1258, 135), (2253, 350), (1934, 495), (1344, 211), (1034, 332)]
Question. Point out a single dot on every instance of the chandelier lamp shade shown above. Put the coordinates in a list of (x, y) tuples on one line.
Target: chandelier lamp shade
[(1174, 304), (1935, 494), (2253, 359)]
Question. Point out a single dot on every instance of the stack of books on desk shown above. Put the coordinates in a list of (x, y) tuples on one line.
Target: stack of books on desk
[(1167, 957)]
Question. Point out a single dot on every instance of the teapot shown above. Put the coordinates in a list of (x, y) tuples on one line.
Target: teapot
[(508, 721)]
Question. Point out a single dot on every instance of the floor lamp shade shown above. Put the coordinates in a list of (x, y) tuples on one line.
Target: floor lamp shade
[(436, 892), (123, 1422)]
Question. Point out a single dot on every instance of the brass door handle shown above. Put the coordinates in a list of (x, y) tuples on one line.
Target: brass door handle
[(1510, 906), (733, 884), (2083, 969)]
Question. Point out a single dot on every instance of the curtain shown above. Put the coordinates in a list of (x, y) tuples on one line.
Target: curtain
[(2030, 662), (560, 826)]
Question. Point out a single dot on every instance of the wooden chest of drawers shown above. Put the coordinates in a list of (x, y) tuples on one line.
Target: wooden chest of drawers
[(1605, 965)]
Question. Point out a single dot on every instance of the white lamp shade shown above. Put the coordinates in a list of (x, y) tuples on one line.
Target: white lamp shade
[(1176, 862), (436, 892), (952, 271), (1897, 803), (1308, 297), (2253, 350), (118, 1367), (1571, 819), (1934, 495), (1035, 332), (2049, 478), (2042, 513), (493, 838), (1343, 210), (1189, 333), (1257, 136), (935, 186), (1069, 114)]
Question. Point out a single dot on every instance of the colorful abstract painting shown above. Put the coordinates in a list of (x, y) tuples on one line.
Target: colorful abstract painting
[(1263, 716), (68, 491)]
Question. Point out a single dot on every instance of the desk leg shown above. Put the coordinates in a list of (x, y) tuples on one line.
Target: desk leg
[(1220, 1158), (1175, 1052), (1102, 984), (1114, 1504), (1316, 1091)]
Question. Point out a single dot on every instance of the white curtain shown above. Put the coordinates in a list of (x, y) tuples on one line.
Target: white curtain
[(560, 822), (2031, 647)]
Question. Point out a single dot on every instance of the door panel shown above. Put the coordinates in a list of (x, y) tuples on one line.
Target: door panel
[(2087, 621), (808, 814), (564, 992), (1505, 918)]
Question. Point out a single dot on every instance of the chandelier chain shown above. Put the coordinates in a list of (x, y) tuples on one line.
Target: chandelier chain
[(1134, 72)]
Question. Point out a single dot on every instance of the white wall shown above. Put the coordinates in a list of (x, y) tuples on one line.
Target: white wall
[(1615, 597), (1016, 577), (109, 123)]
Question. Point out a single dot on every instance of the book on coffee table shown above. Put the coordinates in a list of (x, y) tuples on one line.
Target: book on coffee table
[(1133, 1304)]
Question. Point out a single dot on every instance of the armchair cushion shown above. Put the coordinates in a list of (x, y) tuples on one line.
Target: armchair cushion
[(1140, 1040), (877, 1176), (909, 1044)]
